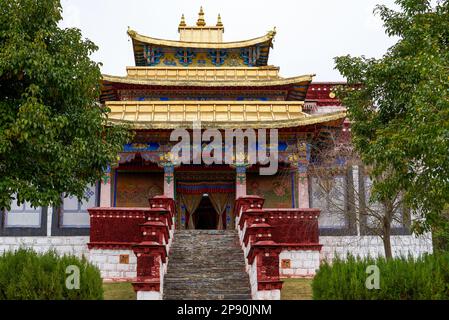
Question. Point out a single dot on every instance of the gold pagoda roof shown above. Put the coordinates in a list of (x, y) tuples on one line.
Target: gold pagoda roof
[(139, 39), (305, 79), (142, 43), (212, 78), (204, 73), (214, 114)]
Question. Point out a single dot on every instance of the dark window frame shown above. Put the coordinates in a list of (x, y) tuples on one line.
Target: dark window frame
[(57, 229), (41, 231)]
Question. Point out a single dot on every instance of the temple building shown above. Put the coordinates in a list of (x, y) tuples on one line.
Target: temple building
[(151, 213)]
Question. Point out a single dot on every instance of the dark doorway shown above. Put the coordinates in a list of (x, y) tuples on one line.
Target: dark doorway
[(205, 216)]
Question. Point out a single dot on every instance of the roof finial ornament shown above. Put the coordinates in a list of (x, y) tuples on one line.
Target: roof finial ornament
[(183, 21), (201, 22), (219, 23)]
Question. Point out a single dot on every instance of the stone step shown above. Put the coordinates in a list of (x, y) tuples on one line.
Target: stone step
[(206, 264)]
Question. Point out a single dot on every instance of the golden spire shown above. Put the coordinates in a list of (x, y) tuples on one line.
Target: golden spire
[(183, 21), (219, 23), (201, 22)]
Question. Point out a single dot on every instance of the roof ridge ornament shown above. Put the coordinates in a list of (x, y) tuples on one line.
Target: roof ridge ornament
[(131, 32), (182, 23), (201, 22), (219, 23)]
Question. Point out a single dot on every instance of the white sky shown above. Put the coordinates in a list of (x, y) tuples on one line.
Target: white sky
[(310, 33)]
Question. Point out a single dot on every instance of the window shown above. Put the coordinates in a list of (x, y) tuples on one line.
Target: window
[(375, 211), (23, 215), (74, 213), (329, 196)]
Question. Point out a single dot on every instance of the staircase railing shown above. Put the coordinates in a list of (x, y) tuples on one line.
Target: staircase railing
[(148, 232), (276, 243)]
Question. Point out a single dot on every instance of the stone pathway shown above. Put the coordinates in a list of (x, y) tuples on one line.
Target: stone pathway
[(206, 264)]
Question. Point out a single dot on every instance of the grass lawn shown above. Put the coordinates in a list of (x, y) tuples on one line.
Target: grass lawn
[(118, 291), (293, 289), (297, 289)]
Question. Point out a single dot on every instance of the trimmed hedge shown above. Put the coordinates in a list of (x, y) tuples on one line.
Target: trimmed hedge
[(424, 278), (27, 275)]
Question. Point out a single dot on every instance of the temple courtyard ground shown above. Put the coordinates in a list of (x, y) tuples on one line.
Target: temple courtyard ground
[(293, 289)]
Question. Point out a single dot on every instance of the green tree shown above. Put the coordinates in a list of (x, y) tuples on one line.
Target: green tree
[(400, 110), (54, 137)]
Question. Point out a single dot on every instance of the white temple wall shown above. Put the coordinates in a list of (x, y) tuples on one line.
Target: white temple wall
[(303, 263), (364, 246), (63, 245), (108, 261)]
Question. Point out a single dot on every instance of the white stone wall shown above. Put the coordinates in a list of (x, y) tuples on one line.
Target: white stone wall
[(63, 245), (149, 295), (108, 261), (303, 263), (268, 295), (252, 271), (364, 246)]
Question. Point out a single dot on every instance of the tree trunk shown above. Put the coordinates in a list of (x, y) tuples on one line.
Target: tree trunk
[(387, 243), (386, 237)]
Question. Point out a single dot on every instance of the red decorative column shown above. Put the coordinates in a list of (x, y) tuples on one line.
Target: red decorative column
[(151, 255), (264, 271), (150, 259), (153, 250)]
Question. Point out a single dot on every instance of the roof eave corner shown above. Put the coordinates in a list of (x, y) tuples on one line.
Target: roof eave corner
[(271, 34), (131, 33)]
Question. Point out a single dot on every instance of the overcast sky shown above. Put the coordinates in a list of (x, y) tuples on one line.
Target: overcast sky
[(309, 33)]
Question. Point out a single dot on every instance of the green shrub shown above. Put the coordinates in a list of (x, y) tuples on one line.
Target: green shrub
[(27, 275), (424, 278)]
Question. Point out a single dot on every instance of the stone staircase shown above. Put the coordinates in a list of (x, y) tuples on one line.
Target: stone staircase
[(206, 265)]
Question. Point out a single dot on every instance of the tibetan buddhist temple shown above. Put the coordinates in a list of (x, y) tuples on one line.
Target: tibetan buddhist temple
[(222, 229), (222, 85)]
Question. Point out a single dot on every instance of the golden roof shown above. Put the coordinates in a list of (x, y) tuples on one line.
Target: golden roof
[(214, 114), (306, 79), (138, 38), (204, 73)]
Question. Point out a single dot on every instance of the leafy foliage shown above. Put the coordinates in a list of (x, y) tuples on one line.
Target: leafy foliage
[(400, 110), (27, 275), (425, 278), (53, 133), (440, 233)]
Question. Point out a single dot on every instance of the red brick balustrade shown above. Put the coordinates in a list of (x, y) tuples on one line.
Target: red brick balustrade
[(266, 232), (248, 202), (116, 228), (257, 232), (266, 254), (146, 231), (294, 226)]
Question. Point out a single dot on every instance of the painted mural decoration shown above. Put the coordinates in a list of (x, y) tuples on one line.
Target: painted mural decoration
[(250, 55), (135, 188), (218, 57), (277, 190), (185, 56), (155, 56), (152, 55)]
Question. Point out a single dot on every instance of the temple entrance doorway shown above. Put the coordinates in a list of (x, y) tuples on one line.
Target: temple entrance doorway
[(205, 204), (205, 216)]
